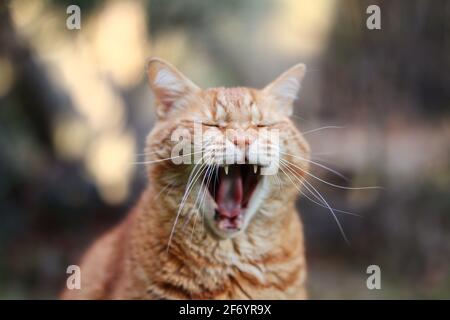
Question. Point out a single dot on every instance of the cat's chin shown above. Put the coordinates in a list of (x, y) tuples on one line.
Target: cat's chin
[(222, 233), (224, 228)]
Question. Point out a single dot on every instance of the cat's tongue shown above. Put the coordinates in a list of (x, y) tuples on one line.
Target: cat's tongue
[(230, 193)]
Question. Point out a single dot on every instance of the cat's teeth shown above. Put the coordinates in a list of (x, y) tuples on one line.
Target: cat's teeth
[(255, 168), (226, 170)]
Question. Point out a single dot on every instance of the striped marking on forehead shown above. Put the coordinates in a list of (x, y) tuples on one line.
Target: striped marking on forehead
[(233, 104), (234, 97)]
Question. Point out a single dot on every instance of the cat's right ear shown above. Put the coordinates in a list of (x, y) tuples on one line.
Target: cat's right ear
[(169, 85), (285, 88)]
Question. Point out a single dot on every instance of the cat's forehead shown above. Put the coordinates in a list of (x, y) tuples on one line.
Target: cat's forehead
[(233, 97), (232, 104), (237, 105)]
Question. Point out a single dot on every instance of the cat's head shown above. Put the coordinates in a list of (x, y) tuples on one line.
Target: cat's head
[(227, 156)]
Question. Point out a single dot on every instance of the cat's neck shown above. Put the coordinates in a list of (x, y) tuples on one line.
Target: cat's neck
[(190, 236)]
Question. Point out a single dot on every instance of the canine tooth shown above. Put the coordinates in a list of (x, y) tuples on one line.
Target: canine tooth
[(255, 168), (226, 170)]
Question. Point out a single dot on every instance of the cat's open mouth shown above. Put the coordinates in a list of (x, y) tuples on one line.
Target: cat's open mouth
[(232, 187)]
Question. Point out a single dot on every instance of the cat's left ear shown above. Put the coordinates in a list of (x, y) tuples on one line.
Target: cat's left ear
[(285, 88), (169, 85)]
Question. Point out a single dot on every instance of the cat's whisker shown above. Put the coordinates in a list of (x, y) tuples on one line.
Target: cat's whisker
[(205, 190), (196, 173), (185, 196), (213, 167), (281, 168), (147, 153), (331, 210), (194, 177), (193, 171), (195, 208), (216, 175), (327, 205), (329, 183), (298, 117), (193, 227), (201, 192), (165, 159), (296, 134), (310, 161), (276, 178), (321, 128), (315, 154), (187, 192), (317, 157), (317, 164), (313, 201), (208, 173)]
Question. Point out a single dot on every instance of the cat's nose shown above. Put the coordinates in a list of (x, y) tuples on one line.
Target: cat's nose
[(242, 140)]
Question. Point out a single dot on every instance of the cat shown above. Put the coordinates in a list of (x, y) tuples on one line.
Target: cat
[(210, 230)]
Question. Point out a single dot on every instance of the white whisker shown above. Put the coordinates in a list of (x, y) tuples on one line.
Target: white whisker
[(313, 201), (329, 183), (331, 210), (183, 201), (325, 202), (322, 128), (317, 164), (165, 159)]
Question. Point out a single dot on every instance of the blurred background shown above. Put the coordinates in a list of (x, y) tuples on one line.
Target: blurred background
[(75, 109)]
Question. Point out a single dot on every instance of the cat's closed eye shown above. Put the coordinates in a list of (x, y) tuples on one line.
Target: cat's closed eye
[(211, 125), (269, 124)]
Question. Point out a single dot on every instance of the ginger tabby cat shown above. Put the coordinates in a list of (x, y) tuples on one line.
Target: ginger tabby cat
[(210, 230)]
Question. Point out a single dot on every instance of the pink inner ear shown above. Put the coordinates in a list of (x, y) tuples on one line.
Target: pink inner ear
[(170, 86), (168, 98)]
